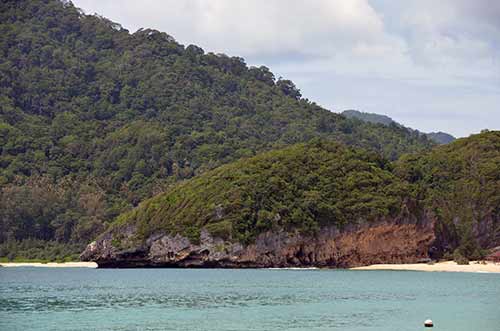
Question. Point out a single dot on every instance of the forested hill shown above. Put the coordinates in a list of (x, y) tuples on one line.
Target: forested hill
[(94, 119)]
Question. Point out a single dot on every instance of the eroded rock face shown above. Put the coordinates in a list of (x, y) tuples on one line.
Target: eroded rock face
[(383, 242)]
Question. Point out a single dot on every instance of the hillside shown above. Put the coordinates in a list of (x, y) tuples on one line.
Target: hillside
[(303, 187), (283, 200), (345, 206), (94, 120), (437, 137), (460, 184)]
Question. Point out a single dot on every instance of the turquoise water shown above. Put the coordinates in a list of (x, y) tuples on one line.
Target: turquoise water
[(215, 299)]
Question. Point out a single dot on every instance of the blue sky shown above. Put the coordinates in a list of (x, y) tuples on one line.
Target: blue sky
[(430, 65)]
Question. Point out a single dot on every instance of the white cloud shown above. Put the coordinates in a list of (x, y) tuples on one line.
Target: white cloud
[(456, 36), (258, 27)]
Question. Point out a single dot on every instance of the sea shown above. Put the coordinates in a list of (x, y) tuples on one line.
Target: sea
[(246, 299)]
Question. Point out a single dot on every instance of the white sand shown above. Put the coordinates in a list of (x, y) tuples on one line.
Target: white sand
[(451, 266), (51, 264)]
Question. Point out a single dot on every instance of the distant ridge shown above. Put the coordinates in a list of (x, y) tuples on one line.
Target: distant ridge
[(369, 117), (441, 137), (438, 137)]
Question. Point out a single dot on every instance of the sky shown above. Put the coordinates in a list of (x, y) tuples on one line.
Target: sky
[(430, 65)]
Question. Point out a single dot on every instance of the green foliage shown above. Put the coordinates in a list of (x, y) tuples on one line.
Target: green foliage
[(85, 102), (222, 229), (460, 184), (459, 258), (64, 210), (33, 250), (299, 188)]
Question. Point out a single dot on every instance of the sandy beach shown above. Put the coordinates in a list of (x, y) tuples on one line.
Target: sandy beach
[(51, 264), (449, 266)]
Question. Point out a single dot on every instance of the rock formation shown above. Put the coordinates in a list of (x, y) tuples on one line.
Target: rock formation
[(384, 242)]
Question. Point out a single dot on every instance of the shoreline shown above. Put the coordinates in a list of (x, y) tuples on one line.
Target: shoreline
[(449, 266), (92, 265)]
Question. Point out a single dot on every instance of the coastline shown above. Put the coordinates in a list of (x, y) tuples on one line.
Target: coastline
[(92, 265), (449, 266)]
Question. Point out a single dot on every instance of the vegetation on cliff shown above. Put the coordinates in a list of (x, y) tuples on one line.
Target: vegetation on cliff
[(102, 119), (460, 184)]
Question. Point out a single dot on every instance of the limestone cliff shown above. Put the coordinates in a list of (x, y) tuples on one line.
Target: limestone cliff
[(389, 241)]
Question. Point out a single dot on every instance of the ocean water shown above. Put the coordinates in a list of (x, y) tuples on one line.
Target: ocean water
[(216, 299)]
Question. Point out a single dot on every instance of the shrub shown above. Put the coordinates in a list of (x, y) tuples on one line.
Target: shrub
[(459, 258), (220, 229)]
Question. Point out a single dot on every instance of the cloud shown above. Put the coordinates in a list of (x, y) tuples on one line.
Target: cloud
[(434, 58), (450, 35), (257, 27)]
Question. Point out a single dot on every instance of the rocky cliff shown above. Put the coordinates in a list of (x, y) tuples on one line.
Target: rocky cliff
[(390, 241)]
